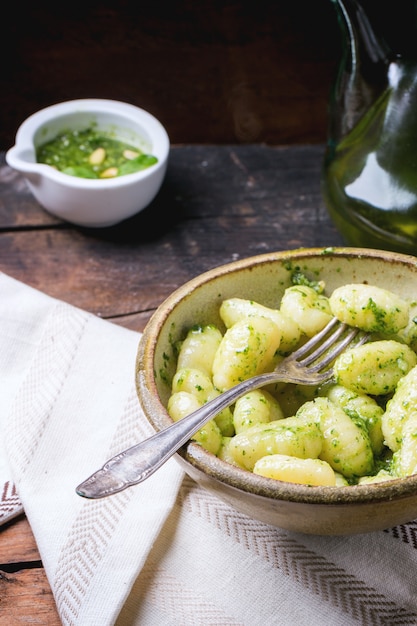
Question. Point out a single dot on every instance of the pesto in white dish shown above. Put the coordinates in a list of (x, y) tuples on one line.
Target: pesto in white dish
[(89, 153)]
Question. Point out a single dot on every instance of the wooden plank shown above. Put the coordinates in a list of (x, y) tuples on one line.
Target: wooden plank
[(25, 594), (201, 181), (26, 598), (218, 204), (213, 72), (134, 279), (17, 543)]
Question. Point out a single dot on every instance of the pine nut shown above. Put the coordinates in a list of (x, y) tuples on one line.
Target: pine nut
[(97, 157), (110, 172), (130, 154)]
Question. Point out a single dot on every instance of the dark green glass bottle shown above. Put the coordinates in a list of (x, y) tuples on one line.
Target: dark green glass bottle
[(369, 180)]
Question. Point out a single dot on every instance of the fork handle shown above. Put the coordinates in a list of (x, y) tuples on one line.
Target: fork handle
[(134, 465)]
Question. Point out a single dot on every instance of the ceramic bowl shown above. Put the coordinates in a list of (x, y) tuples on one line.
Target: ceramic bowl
[(308, 509), (91, 202)]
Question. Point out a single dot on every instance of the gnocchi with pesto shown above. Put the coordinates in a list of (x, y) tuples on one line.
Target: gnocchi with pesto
[(360, 427)]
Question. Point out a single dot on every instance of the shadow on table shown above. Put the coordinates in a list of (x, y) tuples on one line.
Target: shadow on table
[(161, 216)]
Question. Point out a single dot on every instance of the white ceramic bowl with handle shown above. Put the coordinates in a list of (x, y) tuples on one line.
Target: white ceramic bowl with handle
[(91, 202)]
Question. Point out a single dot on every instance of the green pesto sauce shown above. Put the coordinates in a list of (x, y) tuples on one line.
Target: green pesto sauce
[(71, 153)]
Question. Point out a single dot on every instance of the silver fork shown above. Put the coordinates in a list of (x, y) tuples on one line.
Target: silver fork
[(309, 365)]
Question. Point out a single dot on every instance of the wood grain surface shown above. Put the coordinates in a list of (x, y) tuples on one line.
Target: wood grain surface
[(212, 71)]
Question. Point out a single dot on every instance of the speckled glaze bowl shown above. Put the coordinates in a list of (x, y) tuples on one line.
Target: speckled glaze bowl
[(307, 509), (100, 202)]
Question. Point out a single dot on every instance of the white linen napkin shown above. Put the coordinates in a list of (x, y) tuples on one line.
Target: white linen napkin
[(165, 552)]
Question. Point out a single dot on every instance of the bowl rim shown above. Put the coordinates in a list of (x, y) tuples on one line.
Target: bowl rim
[(25, 136), (193, 455)]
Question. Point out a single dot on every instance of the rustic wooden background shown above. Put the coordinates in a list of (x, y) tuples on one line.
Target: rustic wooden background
[(213, 71)]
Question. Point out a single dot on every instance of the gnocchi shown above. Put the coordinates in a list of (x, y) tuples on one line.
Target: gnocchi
[(199, 384), (235, 309), (308, 308), (359, 428), (402, 404), (359, 406), (295, 470), (292, 436), (374, 368), (246, 349), (198, 349), (346, 443), (371, 308), (256, 407), (183, 403), (405, 458)]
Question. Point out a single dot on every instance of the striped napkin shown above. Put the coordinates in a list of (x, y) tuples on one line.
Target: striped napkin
[(165, 552)]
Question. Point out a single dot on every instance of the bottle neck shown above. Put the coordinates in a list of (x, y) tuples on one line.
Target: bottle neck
[(363, 70)]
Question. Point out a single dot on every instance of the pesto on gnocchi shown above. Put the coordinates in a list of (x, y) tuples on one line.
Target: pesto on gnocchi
[(358, 428)]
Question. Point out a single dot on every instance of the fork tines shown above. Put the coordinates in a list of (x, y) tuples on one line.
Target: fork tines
[(330, 342)]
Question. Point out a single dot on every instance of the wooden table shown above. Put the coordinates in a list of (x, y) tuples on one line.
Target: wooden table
[(217, 204)]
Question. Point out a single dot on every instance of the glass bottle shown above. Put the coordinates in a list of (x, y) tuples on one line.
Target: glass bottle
[(369, 178)]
